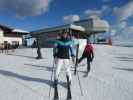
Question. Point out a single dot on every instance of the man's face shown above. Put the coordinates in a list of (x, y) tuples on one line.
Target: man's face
[(65, 35)]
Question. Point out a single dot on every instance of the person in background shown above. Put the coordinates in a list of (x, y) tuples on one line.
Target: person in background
[(1, 48), (6, 47), (89, 54)]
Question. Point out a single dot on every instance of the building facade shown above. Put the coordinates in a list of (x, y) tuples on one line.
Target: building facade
[(8, 35), (81, 29), (47, 36)]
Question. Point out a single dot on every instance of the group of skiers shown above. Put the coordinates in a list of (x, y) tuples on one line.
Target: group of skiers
[(63, 51), (5, 47)]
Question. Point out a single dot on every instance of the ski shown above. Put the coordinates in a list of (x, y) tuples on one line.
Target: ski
[(69, 96), (76, 63), (56, 97)]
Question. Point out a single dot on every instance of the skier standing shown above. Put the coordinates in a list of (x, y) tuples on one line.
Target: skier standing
[(87, 53), (62, 50)]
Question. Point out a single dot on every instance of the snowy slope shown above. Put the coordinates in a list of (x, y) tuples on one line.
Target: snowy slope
[(22, 77)]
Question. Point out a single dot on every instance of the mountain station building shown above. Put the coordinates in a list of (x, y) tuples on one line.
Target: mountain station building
[(89, 28)]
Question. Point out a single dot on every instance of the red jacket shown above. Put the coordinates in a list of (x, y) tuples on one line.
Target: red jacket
[(88, 49)]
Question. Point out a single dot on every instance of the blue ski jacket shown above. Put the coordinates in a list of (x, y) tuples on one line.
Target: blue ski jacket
[(63, 48)]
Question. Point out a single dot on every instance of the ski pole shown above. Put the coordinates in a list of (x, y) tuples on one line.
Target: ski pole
[(76, 64), (51, 77), (81, 90), (75, 70)]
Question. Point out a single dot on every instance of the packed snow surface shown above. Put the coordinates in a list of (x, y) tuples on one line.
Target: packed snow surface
[(22, 77)]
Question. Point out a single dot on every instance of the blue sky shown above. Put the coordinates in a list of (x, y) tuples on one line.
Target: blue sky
[(54, 12), (30, 15)]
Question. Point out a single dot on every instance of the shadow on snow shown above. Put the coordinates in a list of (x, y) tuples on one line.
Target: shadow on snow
[(22, 56), (126, 69), (27, 78)]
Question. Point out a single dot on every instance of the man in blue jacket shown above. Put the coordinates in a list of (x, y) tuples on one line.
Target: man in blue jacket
[(62, 52)]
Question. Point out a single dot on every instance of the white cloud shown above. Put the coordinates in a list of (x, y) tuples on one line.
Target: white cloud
[(129, 30), (23, 8), (93, 12), (124, 12), (122, 33), (113, 32), (71, 18), (124, 36), (118, 28), (122, 24), (105, 7), (105, 10), (127, 34)]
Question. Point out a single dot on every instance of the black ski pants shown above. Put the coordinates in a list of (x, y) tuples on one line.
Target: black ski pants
[(88, 61)]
